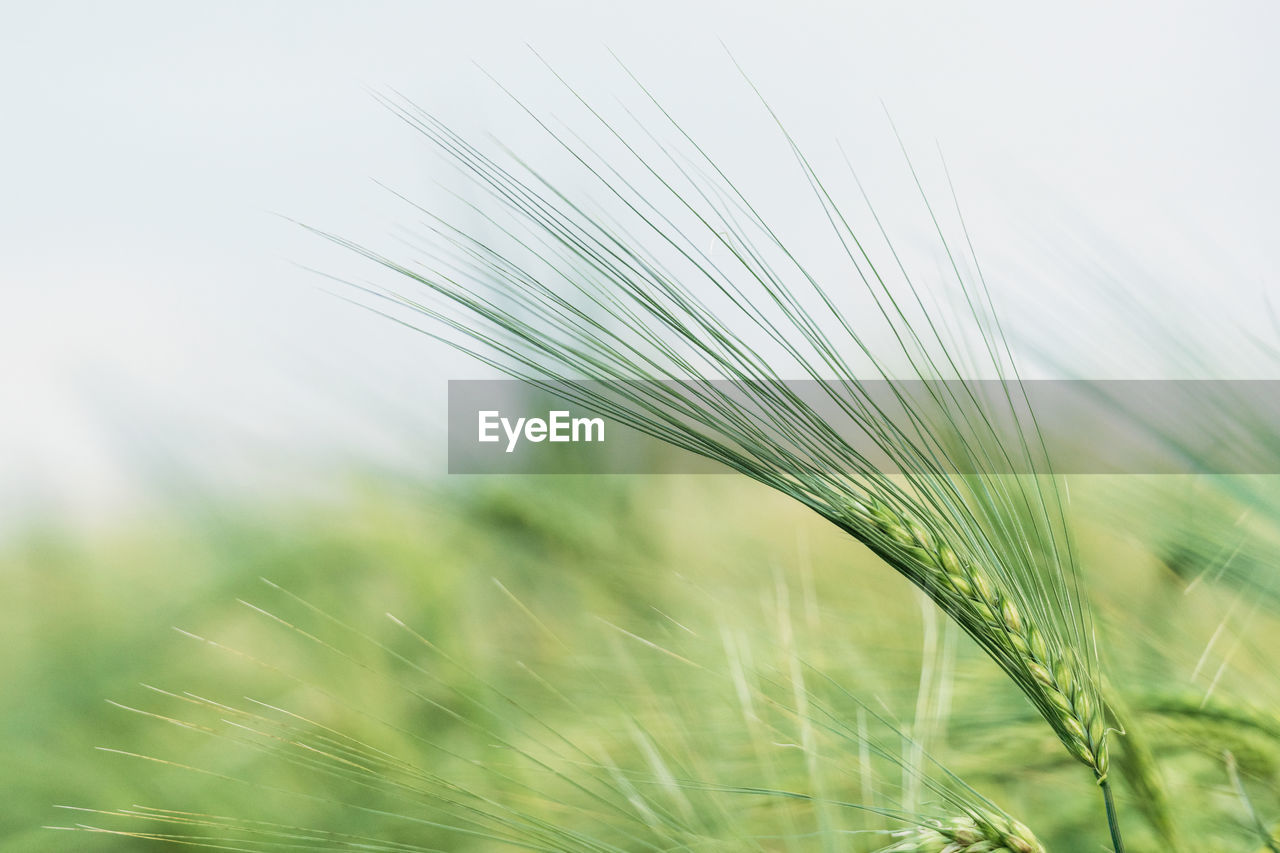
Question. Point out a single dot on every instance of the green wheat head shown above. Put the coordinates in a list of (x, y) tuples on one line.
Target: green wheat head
[(560, 295), (977, 833)]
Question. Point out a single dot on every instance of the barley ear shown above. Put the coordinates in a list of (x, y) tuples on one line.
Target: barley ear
[(1053, 677), (977, 832)]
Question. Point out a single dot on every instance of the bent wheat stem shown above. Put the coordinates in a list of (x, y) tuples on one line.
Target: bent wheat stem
[(559, 294)]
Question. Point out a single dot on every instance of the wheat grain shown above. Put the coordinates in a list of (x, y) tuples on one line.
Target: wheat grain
[(1053, 678), (979, 832)]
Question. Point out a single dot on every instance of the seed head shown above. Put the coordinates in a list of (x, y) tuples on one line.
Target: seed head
[(1052, 677), (981, 832)]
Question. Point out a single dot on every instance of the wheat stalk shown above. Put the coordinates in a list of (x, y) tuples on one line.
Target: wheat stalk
[(993, 554), (1219, 709)]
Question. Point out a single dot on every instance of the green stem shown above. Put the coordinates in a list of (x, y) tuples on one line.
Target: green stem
[(1113, 823), (1234, 775)]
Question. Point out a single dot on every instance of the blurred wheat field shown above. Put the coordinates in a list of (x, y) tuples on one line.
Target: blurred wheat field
[(592, 650)]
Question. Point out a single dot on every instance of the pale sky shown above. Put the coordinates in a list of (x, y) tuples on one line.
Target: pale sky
[(156, 310)]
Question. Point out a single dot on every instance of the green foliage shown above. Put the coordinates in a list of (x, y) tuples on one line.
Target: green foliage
[(604, 695)]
